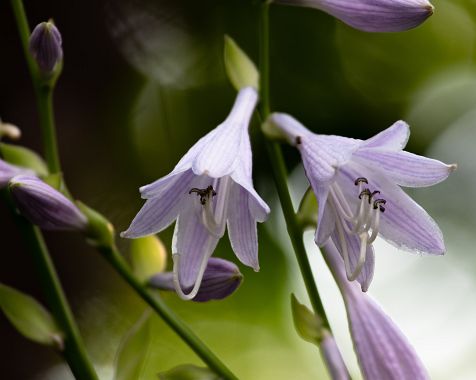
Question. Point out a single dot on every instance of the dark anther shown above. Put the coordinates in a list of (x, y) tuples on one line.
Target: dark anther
[(373, 193), (298, 140), (365, 192), (204, 194), (359, 180), (379, 204)]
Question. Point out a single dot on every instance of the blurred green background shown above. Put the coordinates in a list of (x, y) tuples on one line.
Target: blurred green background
[(143, 80)]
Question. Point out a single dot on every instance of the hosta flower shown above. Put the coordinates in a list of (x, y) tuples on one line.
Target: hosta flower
[(220, 280), (373, 15), (209, 189), (382, 350), (45, 206), (357, 185)]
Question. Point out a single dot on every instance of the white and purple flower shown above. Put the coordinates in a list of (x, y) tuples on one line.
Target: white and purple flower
[(209, 189), (373, 15), (357, 185), (382, 350)]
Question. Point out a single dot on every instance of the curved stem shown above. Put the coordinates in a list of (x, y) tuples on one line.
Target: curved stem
[(43, 92), (74, 351), (278, 167), (173, 321)]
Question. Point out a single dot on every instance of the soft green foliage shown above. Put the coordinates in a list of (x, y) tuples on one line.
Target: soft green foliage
[(29, 317), (188, 372), (133, 350), (241, 71), (308, 325), (148, 257), (21, 156)]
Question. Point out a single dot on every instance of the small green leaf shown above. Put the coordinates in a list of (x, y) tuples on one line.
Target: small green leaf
[(188, 372), (29, 317), (308, 325), (24, 157), (240, 69), (148, 257), (133, 351), (308, 209)]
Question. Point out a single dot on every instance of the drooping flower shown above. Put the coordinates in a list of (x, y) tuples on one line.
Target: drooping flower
[(220, 280), (210, 188), (373, 15), (382, 350), (45, 46), (357, 185), (45, 206)]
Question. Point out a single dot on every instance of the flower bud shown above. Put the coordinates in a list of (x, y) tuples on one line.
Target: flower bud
[(45, 46), (9, 130), (373, 15), (7, 172), (44, 206), (221, 279)]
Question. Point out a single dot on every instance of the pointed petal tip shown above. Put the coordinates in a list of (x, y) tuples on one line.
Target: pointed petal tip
[(453, 167)]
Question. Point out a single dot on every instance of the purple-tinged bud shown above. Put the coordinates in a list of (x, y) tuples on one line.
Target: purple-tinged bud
[(8, 171), (373, 15), (45, 206), (221, 279), (45, 46)]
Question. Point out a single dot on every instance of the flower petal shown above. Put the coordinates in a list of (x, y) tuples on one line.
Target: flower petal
[(219, 157), (371, 15), (326, 224), (353, 247), (242, 176), (192, 241), (382, 349), (159, 212), (158, 188), (242, 227), (393, 138), (404, 168), (404, 223)]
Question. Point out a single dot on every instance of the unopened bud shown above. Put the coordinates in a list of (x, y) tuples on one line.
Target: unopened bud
[(45, 206), (9, 130), (45, 46), (221, 279), (8, 171)]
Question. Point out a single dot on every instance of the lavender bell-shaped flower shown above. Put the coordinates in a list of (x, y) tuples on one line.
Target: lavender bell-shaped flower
[(357, 185), (210, 188), (373, 15), (220, 280), (382, 350), (45, 46), (44, 206)]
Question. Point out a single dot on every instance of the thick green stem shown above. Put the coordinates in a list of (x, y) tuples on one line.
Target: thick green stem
[(173, 321), (43, 92), (276, 159), (74, 351)]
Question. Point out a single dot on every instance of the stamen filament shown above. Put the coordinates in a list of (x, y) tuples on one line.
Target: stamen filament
[(375, 225), (198, 281)]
